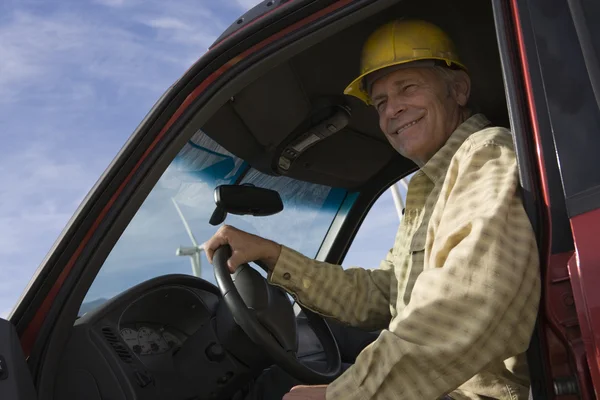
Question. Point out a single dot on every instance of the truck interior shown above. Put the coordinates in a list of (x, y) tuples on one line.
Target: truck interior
[(260, 120)]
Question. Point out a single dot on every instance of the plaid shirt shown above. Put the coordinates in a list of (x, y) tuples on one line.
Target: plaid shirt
[(456, 298)]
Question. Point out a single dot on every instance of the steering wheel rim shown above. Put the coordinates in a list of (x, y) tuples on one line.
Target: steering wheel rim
[(247, 319)]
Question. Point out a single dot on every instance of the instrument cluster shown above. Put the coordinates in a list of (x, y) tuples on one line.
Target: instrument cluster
[(148, 340)]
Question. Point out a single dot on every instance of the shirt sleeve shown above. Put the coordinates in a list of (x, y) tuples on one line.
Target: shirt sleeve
[(324, 288), (474, 303)]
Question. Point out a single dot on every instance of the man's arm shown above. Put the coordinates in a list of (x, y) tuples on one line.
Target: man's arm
[(476, 301), (356, 296)]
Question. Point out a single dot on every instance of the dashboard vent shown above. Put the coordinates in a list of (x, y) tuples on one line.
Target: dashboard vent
[(117, 345)]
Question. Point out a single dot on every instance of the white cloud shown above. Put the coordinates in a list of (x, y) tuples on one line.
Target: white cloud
[(45, 51), (67, 45), (75, 81), (169, 23), (34, 184), (112, 3), (248, 4)]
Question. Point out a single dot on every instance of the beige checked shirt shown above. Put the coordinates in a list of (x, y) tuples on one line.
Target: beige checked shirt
[(457, 296)]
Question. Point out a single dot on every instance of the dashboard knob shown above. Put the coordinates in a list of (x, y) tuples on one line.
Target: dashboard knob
[(215, 352)]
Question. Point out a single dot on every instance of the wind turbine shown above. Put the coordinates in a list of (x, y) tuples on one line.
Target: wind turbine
[(192, 252), (399, 203)]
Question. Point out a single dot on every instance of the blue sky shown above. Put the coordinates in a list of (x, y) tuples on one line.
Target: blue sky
[(76, 78)]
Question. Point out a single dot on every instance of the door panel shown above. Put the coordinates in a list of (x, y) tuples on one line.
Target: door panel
[(15, 378), (585, 278), (565, 121)]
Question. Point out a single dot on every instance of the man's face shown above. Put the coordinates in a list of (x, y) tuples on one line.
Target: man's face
[(418, 110)]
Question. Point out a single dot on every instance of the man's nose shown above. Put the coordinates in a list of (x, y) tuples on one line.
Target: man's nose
[(395, 106)]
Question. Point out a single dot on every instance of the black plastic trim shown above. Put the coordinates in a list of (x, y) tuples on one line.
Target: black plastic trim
[(515, 102), (514, 84), (561, 240), (15, 379), (585, 201), (590, 57), (147, 287), (571, 109)]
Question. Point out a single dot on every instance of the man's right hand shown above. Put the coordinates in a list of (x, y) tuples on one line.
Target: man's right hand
[(245, 247)]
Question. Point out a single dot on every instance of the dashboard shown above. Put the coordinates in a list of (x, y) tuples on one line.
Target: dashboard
[(161, 320), (170, 337), (157, 340)]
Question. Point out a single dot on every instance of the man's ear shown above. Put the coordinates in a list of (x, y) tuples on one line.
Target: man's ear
[(462, 87)]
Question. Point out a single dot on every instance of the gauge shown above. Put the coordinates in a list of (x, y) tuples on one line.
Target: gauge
[(130, 336), (172, 340), (151, 341)]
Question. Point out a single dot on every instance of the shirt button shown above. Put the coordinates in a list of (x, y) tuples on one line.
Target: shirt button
[(287, 276)]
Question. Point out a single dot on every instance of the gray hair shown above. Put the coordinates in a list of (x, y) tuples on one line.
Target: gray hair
[(448, 75)]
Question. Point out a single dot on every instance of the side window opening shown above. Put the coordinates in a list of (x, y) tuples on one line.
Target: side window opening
[(378, 230)]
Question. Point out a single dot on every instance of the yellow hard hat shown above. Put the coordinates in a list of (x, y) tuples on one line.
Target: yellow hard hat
[(400, 42)]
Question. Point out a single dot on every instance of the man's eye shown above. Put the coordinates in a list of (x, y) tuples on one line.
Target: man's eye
[(380, 106), (409, 87)]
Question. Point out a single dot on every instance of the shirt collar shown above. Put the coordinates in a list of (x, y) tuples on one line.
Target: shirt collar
[(437, 166)]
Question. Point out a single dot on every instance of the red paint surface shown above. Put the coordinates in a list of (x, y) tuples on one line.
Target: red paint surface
[(30, 333), (535, 127), (565, 347), (585, 273)]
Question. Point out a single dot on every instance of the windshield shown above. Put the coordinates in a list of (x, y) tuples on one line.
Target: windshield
[(148, 246)]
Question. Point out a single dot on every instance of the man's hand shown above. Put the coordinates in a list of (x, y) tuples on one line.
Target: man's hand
[(306, 393), (245, 247)]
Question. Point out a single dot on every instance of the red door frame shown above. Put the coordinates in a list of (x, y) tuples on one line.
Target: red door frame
[(570, 278)]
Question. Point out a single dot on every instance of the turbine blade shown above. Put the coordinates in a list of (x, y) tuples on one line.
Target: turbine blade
[(185, 224)]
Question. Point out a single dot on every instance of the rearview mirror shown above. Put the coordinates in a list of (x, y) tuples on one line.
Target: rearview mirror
[(245, 200)]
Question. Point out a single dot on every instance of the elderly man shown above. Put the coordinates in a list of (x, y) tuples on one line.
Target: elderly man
[(457, 296)]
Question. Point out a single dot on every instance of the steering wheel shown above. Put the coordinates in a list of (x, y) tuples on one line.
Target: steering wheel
[(266, 315)]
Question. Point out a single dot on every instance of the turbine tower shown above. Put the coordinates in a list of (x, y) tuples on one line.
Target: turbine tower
[(192, 252)]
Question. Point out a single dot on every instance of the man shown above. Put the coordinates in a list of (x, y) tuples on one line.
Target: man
[(457, 296)]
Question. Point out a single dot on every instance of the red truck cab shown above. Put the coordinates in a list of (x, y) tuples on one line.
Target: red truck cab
[(277, 72)]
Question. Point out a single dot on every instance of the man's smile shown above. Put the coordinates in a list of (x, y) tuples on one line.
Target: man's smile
[(408, 125)]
